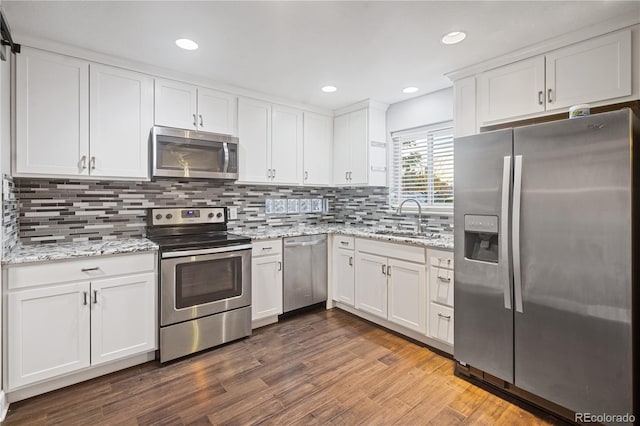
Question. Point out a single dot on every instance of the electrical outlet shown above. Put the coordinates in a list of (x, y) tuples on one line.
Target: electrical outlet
[(233, 213)]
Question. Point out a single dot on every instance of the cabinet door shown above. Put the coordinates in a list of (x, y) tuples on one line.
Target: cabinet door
[(359, 146), (48, 332), (341, 150), (123, 317), (216, 112), (513, 90), (407, 294), (121, 117), (175, 104), (266, 286), (343, 276), (286, 145), (52, 114), (318, 149), (464, 120), (371, 284), (254, 131), (591, 71)]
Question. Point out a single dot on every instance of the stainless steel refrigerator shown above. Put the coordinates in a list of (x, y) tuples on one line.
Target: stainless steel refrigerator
[(546, 259)]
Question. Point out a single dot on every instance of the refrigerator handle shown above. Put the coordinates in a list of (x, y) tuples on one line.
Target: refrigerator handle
[(504, 231), (515, 232)]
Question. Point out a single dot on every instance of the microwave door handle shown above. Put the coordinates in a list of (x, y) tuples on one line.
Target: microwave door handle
[(225, 146)]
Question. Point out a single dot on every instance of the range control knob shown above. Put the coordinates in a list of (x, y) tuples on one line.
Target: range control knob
[(158, 216), (210, 215), (169, 216), (219, 215)]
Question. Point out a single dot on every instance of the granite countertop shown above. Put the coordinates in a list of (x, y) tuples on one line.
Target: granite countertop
[(52, 251), (441, 241)]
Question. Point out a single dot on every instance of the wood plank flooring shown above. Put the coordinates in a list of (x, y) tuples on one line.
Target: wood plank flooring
[(324, 367)]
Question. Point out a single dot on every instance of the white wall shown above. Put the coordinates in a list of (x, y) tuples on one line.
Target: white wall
[(421, 111)]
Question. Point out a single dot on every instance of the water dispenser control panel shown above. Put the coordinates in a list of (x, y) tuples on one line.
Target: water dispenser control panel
[(484, 224)]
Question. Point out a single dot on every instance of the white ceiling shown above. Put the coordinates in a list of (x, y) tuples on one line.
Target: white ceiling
[(291, 49)]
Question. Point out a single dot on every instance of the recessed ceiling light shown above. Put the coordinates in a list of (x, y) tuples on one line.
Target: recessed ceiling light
[(329, 89), (410, 89), (453, 37), (187, 44)]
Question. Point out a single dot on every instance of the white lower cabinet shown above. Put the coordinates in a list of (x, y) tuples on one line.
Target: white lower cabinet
[(390, 288), (440, 295), (266, 279), (55, 328), (441, 322), (343, 276)]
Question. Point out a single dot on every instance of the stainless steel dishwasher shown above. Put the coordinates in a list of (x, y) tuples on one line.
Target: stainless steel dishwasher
[(305, 271)]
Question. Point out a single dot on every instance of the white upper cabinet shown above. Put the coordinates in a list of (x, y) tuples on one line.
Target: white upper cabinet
[(464, 115), (79, 119), (254, 133), (286, 145), (121, 117), (597, 69), (186, 106), (52, 114), (359, 146), (513, 90), (176, 104), (270, 143), (318, 149)]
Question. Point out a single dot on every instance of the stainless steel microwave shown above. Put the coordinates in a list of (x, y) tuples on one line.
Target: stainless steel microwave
[(188, 154)]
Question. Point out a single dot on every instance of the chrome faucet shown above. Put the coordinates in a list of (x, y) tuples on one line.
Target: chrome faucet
[(399, 211)]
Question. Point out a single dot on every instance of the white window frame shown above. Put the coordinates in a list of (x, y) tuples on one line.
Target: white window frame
[(395, 174)]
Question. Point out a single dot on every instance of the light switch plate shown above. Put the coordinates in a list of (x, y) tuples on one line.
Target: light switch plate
[(233, 213)]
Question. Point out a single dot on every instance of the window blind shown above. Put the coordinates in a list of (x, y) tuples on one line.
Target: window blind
[(423, 166)]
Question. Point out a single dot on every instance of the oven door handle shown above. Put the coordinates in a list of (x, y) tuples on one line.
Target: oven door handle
[(226, 249)]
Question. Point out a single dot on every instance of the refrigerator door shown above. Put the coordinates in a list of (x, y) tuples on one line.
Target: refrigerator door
[(483, 327), (573, 337)]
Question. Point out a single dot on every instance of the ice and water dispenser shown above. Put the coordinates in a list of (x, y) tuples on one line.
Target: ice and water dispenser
[(481, 238)]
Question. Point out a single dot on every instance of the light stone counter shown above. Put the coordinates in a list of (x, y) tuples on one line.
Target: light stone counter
[(433, 240), (52, 251)]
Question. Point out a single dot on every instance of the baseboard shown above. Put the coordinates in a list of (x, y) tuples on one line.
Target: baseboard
[(4, 406)]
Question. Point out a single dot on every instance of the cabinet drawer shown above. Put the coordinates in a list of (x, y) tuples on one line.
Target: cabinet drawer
[(441, 285), (76, 270), (340, 241), (398, 251), (441, 323), (265, 248), (440, 259)]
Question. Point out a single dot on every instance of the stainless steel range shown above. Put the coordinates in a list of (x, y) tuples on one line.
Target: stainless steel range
[(205, 280)]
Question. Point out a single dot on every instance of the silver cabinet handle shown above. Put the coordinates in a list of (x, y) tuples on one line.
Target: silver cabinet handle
[(549, 96), (83, 162), (384, 269), (540, 97), (346, 176), (515, 232), (279, 266), (201, 122), (84, 297), (389, 270), (268, 173), (95, 296), (93, 163), (267, 248), (195, 123), (350, 177), (447, 317), (306, 175), (274, 173), (344, 243), (504, 231), (95, 268), (444, 279), (350, 260)]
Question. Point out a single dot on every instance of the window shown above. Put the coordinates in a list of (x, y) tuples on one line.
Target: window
[(423, 166)]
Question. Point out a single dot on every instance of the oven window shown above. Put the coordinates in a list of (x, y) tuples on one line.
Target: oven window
[(208, 281)]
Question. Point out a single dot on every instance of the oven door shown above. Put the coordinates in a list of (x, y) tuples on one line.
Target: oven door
[(203, 282)]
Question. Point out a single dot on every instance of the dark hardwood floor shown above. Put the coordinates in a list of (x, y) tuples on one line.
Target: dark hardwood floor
[(325, 367)]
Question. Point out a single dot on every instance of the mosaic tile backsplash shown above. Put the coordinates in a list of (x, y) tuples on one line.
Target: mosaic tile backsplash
[(10, 214), (66, 210)]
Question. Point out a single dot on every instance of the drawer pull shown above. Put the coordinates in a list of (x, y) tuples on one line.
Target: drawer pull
[(267, 248), (445, 279), (90, 269), (344, 243), (447, 317)]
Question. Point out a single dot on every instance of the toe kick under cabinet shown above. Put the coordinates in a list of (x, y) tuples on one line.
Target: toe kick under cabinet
[(72, 315)]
